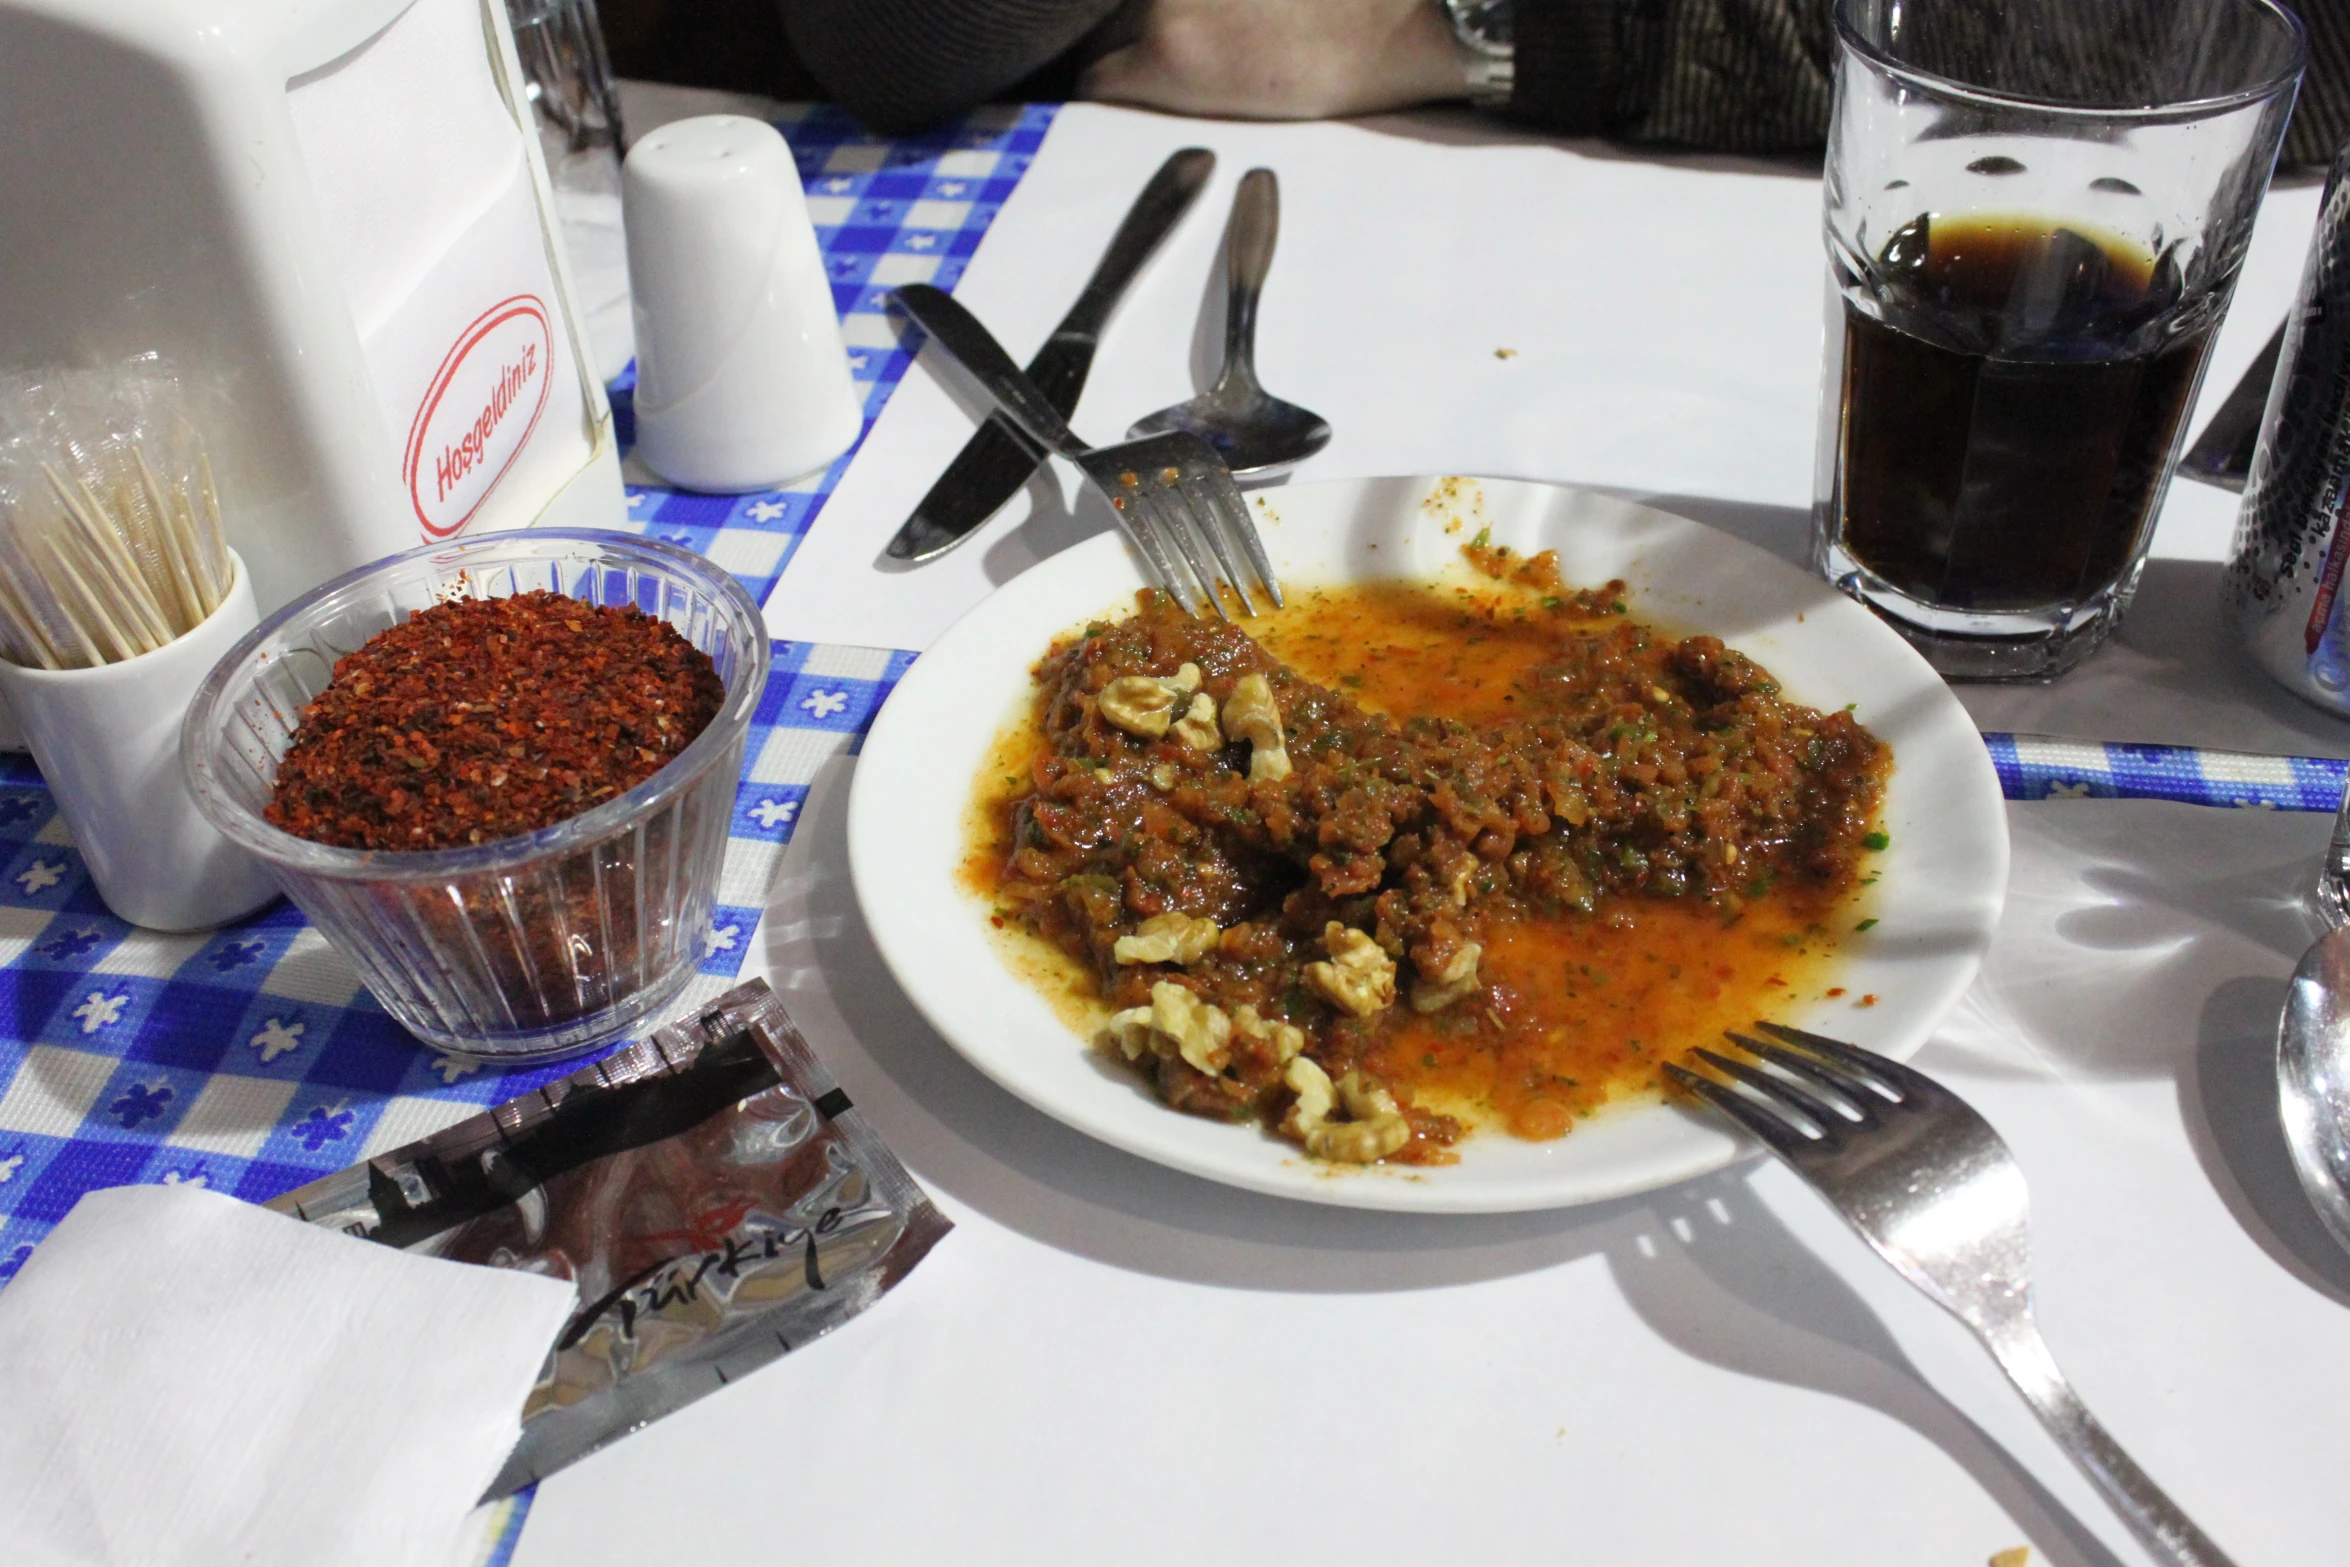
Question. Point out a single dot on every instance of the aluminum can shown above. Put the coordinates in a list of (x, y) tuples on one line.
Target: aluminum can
[(2284, 583)]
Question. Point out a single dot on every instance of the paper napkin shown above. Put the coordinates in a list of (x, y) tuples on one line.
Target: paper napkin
[(187, 1379)]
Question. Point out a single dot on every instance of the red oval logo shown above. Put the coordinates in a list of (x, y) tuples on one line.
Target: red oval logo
[(483, 403)]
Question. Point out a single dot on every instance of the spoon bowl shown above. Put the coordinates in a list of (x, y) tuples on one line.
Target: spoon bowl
[(2313, 1078), (1257, 434)]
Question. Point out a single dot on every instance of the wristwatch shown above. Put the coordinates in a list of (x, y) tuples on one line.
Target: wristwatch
[(1487, 48)]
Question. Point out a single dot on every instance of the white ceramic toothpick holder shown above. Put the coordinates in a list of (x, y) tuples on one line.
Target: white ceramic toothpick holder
[(107, 739)]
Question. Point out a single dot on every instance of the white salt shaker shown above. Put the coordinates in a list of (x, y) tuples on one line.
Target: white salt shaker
[(107, 739), (742, 378)]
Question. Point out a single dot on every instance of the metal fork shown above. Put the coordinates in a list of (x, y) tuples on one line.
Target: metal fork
[(1173, 495), (1928, 1183)]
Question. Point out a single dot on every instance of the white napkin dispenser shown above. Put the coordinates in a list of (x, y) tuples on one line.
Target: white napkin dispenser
[(335, 214)]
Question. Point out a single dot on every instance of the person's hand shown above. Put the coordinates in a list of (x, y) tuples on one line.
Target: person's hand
[(1282, 59)]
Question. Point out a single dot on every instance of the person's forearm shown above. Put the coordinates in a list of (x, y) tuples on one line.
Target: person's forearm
[(1283, 59), (1748, 74)]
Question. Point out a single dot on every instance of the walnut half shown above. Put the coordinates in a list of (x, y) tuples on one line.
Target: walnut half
[(1457, 979), (1359, 978), (1375, 1126), (1249, 714), (1145, 704), (1283, 1040), (1176, 1023), (1167, 938), (1197, 728)]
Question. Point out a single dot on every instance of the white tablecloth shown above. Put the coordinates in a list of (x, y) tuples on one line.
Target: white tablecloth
[(1112, 1363)]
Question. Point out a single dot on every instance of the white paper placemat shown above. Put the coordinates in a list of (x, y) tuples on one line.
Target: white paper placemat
[(1453, 296), (1720, 1373)]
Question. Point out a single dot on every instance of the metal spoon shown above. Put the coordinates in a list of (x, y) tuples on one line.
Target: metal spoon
[(2313, 1078), (1256, 433)]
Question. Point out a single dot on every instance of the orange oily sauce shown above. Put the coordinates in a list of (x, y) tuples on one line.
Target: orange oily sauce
[(1407, 650), (1066, 984), (1582, 1009), (1585, 1007)]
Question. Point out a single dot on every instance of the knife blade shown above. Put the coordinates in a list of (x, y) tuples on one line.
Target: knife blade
[(2222, 454), (997, 460)]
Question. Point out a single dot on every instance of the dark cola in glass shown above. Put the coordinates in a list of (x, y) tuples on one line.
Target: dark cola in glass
[(2009, 416), (2031, 246)]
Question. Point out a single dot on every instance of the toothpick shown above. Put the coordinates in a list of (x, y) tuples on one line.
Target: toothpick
[(142, 520), (66, 574), (44, 642), (168, 540), (128, 560), (97, 577), (26, 629), (214, 539), (136, 604), (73, 558), (108, 559)]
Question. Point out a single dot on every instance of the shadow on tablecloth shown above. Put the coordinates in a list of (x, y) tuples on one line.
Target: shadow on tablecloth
[(1716, 1274), (1708, 1267)]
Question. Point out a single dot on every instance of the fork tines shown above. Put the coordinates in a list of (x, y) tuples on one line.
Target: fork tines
[(1177, 502), (1819, 1093)]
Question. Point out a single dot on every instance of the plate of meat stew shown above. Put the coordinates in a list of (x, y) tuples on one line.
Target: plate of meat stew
[(1400, 896)]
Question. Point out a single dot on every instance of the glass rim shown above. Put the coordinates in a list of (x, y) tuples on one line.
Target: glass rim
[(275, 846), (2288, 76)]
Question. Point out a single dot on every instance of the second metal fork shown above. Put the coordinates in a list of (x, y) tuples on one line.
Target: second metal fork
[(1174, 497), (1928, 1183)]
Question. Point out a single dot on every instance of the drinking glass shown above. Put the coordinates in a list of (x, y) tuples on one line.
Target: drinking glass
[(560, 45), (2332, 895), (2035, 217)]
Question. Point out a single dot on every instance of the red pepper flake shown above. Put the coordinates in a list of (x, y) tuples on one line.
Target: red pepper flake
[(484, 718), (1866, 1001), (1834, 991)]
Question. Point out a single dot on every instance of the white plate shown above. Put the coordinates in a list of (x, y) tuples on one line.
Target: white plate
[(1943, 877)]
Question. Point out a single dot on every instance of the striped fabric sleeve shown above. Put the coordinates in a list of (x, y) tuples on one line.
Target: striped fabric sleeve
[(2321, 120), (1756, 76), (1572, 66), (1729, 75), (901, 66)]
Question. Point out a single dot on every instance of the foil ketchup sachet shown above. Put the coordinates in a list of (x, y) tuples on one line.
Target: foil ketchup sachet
[(709, 1190)]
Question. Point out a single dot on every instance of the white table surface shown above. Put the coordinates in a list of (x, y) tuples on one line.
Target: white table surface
[(1112, 1363)]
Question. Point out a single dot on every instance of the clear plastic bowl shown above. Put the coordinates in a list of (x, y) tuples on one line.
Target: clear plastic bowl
[(533, 947)]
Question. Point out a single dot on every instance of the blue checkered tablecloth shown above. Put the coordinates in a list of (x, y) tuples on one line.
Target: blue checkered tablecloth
[(251, 1061), (2044, 767), (886, 212)]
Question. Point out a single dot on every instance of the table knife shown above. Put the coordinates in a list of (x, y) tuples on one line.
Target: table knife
[(998, 460), (2222, 454)]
